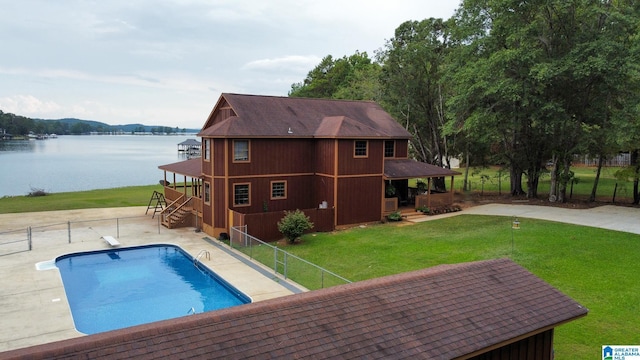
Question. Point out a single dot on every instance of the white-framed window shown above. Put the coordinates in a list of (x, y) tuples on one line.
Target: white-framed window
[(278, 190), (241, 194), (360, 148), (241, 151)]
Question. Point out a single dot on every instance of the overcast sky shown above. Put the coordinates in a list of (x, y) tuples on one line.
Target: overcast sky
[(166, 62)]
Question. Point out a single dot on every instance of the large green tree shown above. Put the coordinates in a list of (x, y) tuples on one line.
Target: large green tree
[(538, 77), (414, 93), (352, 77)]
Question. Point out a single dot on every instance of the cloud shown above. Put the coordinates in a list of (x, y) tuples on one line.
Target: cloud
[(28, 105), (165, 61), (290, 63)]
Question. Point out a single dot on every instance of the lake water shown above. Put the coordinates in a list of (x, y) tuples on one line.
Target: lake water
[(76, 163)]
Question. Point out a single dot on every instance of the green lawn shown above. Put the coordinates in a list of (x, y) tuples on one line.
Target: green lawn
[(596, 267), (103, 198)]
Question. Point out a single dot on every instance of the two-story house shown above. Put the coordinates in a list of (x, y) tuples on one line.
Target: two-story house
[(334, 159)]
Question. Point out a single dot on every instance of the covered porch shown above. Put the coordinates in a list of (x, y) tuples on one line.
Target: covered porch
[(428, 191), (182, 183)]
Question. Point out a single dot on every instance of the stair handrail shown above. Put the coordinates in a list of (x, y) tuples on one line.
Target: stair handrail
[(168, 207), (168, 216)]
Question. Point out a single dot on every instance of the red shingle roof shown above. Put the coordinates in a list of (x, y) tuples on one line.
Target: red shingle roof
[(272, 116), (438, 313)]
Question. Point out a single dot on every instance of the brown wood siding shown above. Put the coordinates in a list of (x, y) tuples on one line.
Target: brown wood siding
[(274, 156), (350, 165), (223, 112), (325, 156), (206, 166), (219, 206), (264, 226), (323, 186), (536, 347), (359, 200), (300, 194), (402, 149), (218, 157)]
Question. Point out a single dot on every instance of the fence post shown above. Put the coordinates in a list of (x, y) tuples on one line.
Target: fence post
[(275, 260), (285, 264), (69, 230), (29, 238)]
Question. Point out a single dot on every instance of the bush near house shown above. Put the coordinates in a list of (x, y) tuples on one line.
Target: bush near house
[(294, 224)]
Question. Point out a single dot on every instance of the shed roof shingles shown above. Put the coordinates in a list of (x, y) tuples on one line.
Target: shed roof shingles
[(441, 312)]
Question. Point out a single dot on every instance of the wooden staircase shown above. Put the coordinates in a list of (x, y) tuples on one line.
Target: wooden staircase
[(410, 215), (178, 214)]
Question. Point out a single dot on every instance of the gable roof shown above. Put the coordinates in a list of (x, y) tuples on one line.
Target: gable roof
[(273, 116), (410, 169), (441, 312)]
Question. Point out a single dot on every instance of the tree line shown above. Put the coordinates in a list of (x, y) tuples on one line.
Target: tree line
[(23, 126), (521, 84)]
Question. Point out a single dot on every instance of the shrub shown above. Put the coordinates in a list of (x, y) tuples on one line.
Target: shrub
[(294, 224), (394, 216), (424, 209)]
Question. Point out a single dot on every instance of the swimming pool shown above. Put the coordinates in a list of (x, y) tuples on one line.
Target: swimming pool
[(118, 288)]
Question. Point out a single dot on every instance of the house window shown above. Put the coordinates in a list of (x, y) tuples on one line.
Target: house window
[(205, 149), (241, 150), (278, 190), (360, 148), (207, 192), (389, 148), (241, 195)]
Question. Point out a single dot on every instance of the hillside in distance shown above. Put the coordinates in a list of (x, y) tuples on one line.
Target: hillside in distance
[(127, 128), (17, 125)]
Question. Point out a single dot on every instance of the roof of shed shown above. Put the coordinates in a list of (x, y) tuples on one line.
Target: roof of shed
[(410, 169), (441, 312), (273, 116), (191, 167)]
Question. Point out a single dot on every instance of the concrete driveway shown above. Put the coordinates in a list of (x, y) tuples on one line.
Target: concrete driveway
[(611, 217)]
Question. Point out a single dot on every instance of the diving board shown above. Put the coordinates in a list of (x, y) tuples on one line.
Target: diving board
[(111, 240)]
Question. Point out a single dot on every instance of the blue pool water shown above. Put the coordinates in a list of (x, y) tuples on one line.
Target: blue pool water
[(114, 289)]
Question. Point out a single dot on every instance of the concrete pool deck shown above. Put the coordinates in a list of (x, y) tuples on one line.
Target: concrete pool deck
[(33, 304)]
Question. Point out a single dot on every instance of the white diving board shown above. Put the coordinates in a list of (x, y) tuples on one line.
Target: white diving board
[(111, 240)]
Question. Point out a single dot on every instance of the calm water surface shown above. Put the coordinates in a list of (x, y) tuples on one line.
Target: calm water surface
[(76, 163)]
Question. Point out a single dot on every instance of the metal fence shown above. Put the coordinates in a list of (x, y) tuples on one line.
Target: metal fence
[(290, 266), (14, 241)]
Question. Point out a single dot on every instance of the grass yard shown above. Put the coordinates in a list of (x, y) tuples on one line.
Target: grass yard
[(102, 198), (596, 267)]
